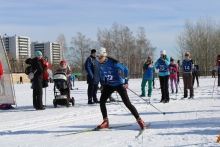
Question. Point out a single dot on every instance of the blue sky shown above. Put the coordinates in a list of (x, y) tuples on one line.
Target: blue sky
[(44, 20)]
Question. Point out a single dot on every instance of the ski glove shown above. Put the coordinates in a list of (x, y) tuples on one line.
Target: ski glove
[(102, 88), (125, 85)]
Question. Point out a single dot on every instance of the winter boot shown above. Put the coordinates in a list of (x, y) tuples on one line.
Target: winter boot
[(176, 90), (172, 91), (105, 124), (141, 123)]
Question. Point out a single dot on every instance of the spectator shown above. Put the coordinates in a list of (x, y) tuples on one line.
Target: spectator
[(196, 73), (146, 65), (173, 68), (213, 73), (37, 67), (187, 75), (21, 80), (162, 64), (2, 88), (218, 68), (72, 79), (178, 72), (64, 68), (93, 68)]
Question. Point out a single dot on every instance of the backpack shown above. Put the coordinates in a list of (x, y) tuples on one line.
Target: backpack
[(84, 71), (28, 70)]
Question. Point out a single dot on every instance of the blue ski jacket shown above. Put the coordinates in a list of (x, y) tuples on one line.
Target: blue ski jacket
[(162, 66), (110, 73), (93, 68)]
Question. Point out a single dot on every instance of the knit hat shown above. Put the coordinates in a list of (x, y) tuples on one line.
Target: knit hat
[(38, 53), (149, 57), (93, 51), (171, 59), (187, 53), (163, 52), (102, 52), (62, 62)]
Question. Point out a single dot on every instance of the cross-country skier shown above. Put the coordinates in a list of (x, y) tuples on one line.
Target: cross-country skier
[(188, 66), (173, 68), (112, 81), (162, 64), (218, 68)]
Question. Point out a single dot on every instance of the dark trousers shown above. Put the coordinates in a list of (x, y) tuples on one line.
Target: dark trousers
[(187, 81), (164, 87), (178, 77), (219, 76), (195, 76), (92, 92), (37, 93), (107, 91)]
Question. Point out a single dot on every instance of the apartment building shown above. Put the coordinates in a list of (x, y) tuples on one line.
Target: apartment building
[(17, 46), (51, 50)]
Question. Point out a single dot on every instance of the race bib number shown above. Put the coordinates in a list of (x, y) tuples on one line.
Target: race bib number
[(187, 67), (162, 68)]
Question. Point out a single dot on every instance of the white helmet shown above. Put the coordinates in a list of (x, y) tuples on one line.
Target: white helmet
[(102, 52)]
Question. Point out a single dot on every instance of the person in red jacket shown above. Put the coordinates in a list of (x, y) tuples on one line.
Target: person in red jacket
[(2, 79), (218, 68), (173, 69)]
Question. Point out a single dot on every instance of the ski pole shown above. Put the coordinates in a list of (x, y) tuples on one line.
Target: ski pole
[(146, 101), (213, 87), (45, 96), (180, 88)]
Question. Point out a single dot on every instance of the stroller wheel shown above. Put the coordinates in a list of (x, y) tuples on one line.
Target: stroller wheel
[(54, 103), (73, 101), (67, 103)]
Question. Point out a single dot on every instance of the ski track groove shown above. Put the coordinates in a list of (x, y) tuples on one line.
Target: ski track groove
[(54, 122)]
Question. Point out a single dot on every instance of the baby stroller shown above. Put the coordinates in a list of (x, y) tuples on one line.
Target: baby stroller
[(61, 83)]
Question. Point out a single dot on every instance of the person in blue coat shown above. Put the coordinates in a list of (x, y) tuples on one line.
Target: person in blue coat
[(162, 64), (113, 81), (72, 78), (93, 68)]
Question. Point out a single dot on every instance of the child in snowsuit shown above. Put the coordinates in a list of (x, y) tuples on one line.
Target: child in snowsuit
[(173, 68)]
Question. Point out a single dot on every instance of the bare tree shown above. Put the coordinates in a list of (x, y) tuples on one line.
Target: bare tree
[(201, 39), (80, 49), (121, 44), (63, 46)]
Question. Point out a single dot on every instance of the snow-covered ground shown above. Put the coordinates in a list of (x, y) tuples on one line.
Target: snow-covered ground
[(186, 123)]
